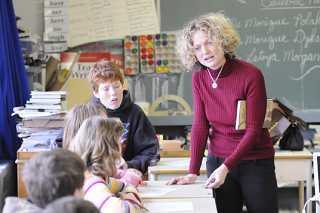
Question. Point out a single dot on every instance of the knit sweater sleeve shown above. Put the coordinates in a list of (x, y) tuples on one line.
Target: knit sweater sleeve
[(127, 177), (102, 193), (200, 128)]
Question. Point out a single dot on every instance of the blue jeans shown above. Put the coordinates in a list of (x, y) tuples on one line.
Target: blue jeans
[(252, 182)]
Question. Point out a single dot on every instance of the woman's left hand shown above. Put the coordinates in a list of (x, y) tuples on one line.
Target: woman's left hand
[(217, 177)]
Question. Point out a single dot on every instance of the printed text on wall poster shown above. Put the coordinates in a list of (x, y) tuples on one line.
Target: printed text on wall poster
[(92, 20)]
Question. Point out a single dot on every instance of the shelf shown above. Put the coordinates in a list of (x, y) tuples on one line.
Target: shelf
[(31, 72), (309, 116), (177, 120)]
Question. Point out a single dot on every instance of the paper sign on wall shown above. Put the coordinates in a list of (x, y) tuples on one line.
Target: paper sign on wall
[(56, 47), (56, 3), (105, 19)]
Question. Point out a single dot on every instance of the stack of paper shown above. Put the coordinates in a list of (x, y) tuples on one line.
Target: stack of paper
[(41, 120), (46, 100), (36, 139)]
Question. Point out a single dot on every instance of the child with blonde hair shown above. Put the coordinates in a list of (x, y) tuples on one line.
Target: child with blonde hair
[(98, 144), (73, 121)]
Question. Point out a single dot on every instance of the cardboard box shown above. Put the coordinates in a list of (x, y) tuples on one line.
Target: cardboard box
[(173, 154), (171, 145), (46, 123)]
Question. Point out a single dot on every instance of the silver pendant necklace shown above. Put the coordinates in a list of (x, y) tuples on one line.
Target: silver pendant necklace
[(214, 84)]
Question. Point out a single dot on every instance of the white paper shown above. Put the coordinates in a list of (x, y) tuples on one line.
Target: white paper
[(169, 207), (150, 191), (60, 11), (57, 28), (55, 20), (56, 3), (56, 47), (55, 36), (49, 92), (105, 19)]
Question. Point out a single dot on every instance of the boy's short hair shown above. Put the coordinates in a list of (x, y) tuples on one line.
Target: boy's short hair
[(71, 204), (52, 174), (102, 71)]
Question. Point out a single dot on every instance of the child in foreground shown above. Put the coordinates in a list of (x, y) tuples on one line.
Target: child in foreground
[(98, 144), (47, 176), (70, 204)]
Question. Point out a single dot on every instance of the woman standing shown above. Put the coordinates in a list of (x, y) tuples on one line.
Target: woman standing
[(240, 163)]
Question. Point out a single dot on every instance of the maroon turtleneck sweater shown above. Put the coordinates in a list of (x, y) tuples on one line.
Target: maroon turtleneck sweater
[(238, 80)]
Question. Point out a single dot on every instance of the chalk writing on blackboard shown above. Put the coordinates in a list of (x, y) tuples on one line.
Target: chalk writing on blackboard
[(281, 38)]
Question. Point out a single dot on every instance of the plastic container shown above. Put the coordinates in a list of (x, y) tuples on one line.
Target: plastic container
[(145, 106), (28, 47)]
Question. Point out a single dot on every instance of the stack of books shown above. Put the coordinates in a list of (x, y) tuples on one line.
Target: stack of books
[(40, 120), (242, 115), (46, 100)]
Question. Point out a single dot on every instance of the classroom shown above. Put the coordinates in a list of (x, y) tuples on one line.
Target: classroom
[(189, 80)]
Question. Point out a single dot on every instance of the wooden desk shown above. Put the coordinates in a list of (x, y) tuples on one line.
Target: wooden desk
[(182, 191), (201, 199), (172, 167), (22, 157), (296, 166), (290, 166), (200, 205)]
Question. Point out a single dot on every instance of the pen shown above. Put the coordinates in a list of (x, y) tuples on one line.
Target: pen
[(142, 207), (143, 183), (205, 186)]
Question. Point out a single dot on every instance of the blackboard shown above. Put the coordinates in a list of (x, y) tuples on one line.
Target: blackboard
[(282, 38)]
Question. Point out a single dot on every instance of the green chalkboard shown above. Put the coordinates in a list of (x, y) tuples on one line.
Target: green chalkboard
[(282, 38)]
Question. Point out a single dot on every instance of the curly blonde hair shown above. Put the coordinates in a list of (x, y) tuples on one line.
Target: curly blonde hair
[(102, 71), (218, 27), (97, 144), (75, 118)]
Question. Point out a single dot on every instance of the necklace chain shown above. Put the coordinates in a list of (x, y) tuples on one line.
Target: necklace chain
[(214, 84)]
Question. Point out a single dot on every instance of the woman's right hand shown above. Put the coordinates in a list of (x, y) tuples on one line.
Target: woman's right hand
[(190, 178)]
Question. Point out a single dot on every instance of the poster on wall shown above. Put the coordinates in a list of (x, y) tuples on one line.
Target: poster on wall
[(106, 19)]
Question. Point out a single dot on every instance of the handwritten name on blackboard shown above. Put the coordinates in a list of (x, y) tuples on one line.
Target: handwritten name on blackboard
[(280, 37)]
